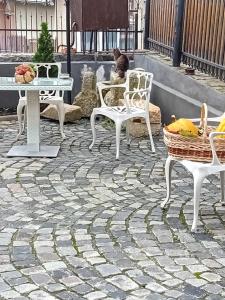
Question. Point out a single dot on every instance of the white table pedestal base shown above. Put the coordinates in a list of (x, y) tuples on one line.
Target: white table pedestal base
[(28, 151), (33, 148)]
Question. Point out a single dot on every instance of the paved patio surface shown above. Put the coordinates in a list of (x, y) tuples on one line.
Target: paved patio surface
[(85, 226)]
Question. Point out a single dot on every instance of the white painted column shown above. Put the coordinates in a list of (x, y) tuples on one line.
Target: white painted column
[(78, 36), (100, 45), (33, 121), (118, 39)]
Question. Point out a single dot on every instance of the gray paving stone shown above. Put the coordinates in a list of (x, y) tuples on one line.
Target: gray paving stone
[(17, 281), (215, 297), (86, 225), (54, 265), (197, 282), (82, 289), (197, 268), (55, 287), (211, 277), (71, 281), (25, 288), (10, 294), (193, 291), (155, 287), (174, 294), (123, 282), (4, 287), (106, 270), (37, 295), (41, 279), (95, 295), (172, 282), (68, 296), (212, 288)]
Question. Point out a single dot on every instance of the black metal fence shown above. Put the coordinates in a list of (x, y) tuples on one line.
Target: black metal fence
[(20, 22)]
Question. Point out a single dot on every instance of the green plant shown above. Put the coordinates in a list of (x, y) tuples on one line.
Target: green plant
[(197, 275), (45, 51), (108, 123), (182, 218)]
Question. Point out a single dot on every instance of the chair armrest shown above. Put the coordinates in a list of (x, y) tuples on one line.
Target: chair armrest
[(212, 135), (215, 119), (104, 82), (103, 86)]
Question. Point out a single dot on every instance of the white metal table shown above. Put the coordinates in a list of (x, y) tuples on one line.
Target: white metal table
[(33, 147)]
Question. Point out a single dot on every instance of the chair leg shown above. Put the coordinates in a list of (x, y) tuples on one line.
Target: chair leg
[(150, 132), (128, 132), (222, 187), (168, 170), (61, 114), (20, 107), (24, 117), (198, 179), (118, 130), (93, 130)]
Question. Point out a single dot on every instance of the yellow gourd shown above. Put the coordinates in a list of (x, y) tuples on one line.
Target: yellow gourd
[(221, 128), (187, 133), (184, 127)]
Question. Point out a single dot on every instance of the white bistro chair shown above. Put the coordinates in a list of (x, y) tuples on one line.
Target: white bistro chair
[(49, 97), (199, 171), (133, 107)]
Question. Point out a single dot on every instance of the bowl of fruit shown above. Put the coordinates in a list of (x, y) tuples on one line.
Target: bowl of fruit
[(25, 73)]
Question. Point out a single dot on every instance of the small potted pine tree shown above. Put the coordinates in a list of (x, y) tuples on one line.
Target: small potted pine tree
[(45, 51)]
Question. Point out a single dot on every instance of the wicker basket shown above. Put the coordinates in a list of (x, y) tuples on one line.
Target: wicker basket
[(196, 149)]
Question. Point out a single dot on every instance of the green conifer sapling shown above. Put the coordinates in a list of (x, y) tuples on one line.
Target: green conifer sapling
[(45, 51)]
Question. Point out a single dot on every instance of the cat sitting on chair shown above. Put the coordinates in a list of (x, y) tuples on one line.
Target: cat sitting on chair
[(122, 62)]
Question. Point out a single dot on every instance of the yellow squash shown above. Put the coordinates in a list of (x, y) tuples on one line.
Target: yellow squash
[(184, 127), (221, 128)]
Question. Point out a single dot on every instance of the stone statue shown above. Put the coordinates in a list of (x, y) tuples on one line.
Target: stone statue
[(87, 98), (113, 96), (100, 74)]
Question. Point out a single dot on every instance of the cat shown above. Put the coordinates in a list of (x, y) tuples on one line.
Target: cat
[(122, 62)]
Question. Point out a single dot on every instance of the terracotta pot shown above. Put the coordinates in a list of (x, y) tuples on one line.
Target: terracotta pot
[(72, 50)]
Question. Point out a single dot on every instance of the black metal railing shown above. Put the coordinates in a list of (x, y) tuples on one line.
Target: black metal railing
[(20, 27)]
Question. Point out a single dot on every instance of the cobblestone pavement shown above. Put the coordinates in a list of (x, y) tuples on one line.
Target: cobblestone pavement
[(85, 226)]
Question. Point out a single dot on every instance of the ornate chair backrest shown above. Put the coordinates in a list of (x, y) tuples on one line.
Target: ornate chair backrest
[(138, 89), (46, 69)]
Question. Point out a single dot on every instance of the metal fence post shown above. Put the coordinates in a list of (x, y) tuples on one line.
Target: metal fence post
[(178, 39), (96, 41), (136, 32), (147, 24), (68, 43)]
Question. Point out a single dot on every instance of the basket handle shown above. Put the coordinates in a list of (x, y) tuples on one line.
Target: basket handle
[(204, 117)]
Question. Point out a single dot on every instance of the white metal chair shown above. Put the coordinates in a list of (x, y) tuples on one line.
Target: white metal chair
[(199, 171), (133, 108), (49, 97)]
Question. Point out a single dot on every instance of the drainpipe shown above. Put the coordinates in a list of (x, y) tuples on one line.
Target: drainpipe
[(178, 40), (147, 23), (68, 44)]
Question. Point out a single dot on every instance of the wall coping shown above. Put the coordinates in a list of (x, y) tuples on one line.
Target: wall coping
[(27, 57), (200, 77)]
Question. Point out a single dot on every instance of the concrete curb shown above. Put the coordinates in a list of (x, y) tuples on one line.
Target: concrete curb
[(8, 118)]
